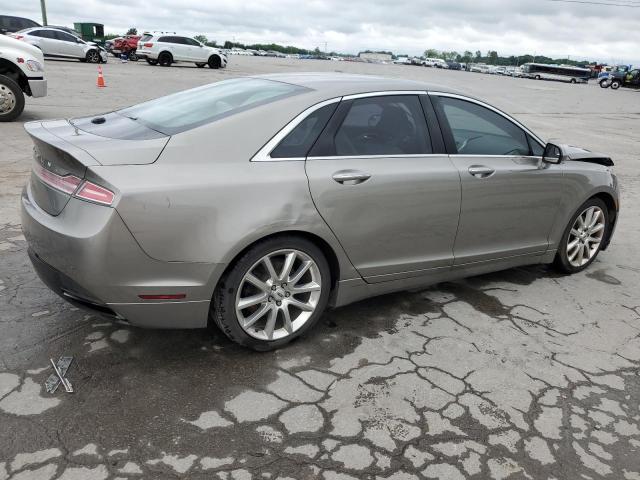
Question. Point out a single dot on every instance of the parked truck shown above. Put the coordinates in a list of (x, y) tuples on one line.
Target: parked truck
[(21, 73)]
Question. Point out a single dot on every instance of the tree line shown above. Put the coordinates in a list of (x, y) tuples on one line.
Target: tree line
[(492, 58)]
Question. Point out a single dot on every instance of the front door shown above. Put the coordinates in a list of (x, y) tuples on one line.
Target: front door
[(392, 203), (509, 196)]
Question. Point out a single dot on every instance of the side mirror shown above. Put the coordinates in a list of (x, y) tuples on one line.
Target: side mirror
[(552, 154)]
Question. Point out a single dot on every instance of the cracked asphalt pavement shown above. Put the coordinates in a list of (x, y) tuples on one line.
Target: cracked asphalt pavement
[(518, 374)]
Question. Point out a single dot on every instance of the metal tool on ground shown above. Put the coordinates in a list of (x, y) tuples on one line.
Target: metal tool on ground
[(55, 379)]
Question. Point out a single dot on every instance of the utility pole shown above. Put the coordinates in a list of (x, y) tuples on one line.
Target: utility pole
[(325, 47), (43, 7)]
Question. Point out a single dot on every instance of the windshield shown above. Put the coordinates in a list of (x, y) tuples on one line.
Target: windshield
[(189, 109)]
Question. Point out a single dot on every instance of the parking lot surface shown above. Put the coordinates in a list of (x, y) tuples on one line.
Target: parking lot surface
[(517, 374)]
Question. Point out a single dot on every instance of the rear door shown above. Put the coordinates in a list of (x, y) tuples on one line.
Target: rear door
[(382, 182), (509, 196), (46, 41)]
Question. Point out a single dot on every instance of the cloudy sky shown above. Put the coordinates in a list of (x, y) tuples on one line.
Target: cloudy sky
[(604, 30)]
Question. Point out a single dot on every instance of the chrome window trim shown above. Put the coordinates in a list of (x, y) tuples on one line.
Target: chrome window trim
[(492, 108), (384, 94), (264, 154), (395, 155)]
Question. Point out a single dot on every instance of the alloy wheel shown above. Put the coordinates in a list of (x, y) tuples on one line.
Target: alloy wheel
[(585, 236), (278, 294), (7, 99), (93, 57)]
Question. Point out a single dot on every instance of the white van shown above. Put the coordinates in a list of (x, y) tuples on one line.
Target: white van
[(21, 72)]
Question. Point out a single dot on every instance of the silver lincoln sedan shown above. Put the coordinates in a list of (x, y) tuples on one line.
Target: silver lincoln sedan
[(255, 203)]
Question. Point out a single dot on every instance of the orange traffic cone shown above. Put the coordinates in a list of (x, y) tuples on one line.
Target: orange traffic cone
[(100, 78)]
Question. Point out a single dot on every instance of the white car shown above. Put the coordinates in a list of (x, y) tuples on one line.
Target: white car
[(56, 43), (21, 72), (165, 49)]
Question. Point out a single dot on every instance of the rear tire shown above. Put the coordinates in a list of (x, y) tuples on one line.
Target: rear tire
[(214, 62), (573, 80), (234, 289), (11, 99), (568, 262), (165, 59), (616, 84), (133, 57), (151, 61)]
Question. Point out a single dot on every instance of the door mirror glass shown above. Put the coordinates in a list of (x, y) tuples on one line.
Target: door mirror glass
[(552, 153)]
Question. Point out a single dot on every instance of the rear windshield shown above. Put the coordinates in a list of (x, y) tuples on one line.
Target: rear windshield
[(189, 109), (146, 37)]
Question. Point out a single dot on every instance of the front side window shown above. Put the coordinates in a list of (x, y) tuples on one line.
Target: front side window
[(385, 125), (300, 140), (477, 130), (65, 37), (189, 109), (191, 41)]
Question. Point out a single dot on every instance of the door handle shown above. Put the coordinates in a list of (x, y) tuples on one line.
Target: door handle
[(481, 171), (344, 176)]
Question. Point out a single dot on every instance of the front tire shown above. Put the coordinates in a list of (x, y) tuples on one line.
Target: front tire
[(214, 62), (11, 99), (583, 237), (274, 293), (93, 56), (616, 84)]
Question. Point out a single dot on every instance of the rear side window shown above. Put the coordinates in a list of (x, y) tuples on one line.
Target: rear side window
[(300, 140), (47, 34), (189, 109), (167, 39), (477, 130), (385, 125)]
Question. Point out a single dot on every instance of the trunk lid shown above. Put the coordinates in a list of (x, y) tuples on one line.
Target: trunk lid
[(65, 150)]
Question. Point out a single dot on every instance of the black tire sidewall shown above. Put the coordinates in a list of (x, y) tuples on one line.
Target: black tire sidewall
[(214, 62), (164, 59), (561, 260), (17, 91), (223, 306)]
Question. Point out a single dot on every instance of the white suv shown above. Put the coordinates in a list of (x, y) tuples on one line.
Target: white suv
[(165, 49), (21, 72)]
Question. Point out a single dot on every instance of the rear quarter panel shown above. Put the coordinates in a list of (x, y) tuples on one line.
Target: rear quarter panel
[(205, 201)]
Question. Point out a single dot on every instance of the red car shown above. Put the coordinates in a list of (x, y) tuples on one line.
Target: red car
[(127, 44)]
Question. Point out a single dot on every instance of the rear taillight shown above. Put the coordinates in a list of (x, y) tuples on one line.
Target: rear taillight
[(148, 45), (95, 193), (67, 183)]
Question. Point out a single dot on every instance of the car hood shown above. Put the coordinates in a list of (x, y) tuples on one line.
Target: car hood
[(577, 154)]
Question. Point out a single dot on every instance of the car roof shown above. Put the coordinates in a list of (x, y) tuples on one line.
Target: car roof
[(330, 84)]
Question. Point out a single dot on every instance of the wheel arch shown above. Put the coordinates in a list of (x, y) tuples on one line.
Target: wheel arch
[(9, 69), (324, 246), (612, 210)]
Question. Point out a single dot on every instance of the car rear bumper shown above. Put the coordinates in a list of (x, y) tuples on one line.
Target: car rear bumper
[(38, 87), (87, 255)]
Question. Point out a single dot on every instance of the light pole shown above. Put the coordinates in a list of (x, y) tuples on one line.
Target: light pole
[(43, 7)]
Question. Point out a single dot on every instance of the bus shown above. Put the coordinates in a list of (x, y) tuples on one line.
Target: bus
[(563, 73)]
